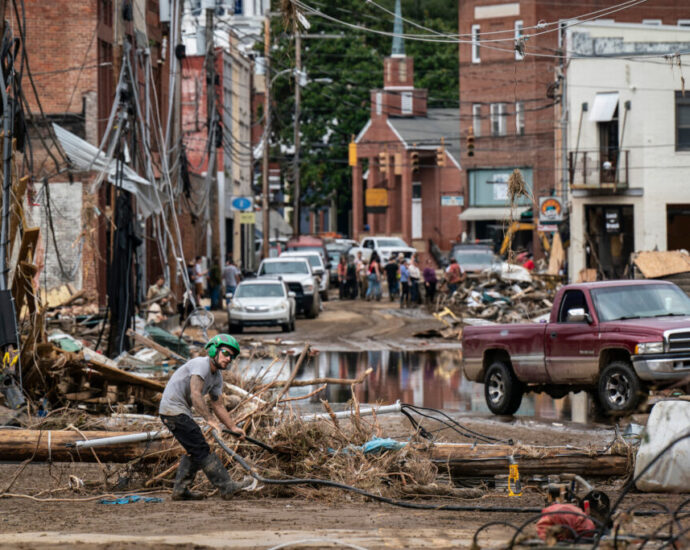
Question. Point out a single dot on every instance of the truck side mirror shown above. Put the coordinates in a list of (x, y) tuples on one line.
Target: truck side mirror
[(578, 315)]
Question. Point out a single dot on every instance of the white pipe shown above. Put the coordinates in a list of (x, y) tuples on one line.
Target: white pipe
[(115, 440), (386, 409)]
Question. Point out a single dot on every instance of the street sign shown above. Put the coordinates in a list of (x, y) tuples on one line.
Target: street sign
[(247, 217), (242, 203), (376, 197)]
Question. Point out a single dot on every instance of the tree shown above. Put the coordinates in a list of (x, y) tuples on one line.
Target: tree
[(341, 72)]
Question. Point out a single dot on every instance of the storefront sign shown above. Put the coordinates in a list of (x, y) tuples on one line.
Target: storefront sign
[(550, 210), (376, 198), (247, 217), (452, 200), (613, 221)]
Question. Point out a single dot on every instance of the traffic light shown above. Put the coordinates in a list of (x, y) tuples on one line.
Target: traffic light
[(352, 154), (441, 154), (414, 160), (470, 142), (383, 162)]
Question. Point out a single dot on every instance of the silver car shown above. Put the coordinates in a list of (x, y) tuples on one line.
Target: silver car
[(262, 303)]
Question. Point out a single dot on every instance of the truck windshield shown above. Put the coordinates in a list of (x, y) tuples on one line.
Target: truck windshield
[(278, 268), (637, 302), (390, 243), (474, 257)]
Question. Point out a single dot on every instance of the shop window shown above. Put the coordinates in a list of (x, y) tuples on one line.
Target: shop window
[(609, 239)]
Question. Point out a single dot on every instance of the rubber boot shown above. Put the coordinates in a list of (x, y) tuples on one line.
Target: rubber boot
[(186, 472), (220, 478)]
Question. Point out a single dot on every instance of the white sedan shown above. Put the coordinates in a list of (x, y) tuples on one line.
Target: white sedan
[(262, 303)]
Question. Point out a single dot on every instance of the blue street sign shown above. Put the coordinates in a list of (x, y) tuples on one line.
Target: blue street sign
[(241, 203)]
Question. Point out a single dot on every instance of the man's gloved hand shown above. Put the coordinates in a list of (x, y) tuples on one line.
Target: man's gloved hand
[(238, 432)]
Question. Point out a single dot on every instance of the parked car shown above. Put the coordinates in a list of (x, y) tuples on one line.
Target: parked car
[(385, 247), (299, 278), (613, 339), (474, 258), (318, 267), (307, 243), (260, 303)]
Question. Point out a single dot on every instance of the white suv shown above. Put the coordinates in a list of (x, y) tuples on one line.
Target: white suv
[(299, 278), (318, 266)]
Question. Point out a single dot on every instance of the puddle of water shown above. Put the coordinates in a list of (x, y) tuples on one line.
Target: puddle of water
[(430, 379)]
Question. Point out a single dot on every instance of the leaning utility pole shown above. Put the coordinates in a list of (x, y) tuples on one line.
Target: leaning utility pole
[(213, 127), (298, 98), (267, 132)]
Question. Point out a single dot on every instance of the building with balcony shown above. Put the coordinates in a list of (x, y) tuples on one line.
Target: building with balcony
[(511, 99), (628, 143)]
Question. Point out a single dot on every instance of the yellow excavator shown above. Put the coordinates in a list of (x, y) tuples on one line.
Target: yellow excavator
[(516, 226)]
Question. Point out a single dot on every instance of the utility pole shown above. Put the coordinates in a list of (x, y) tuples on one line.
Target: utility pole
[(211, 121), (298, 99), (267, 132)]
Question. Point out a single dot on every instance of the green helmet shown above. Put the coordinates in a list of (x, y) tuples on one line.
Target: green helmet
[(220, 340)]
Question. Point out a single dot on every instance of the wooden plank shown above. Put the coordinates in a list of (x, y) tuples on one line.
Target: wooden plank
[(110, 371), (155, 345), (17, 219), (43, 445), (22, 286), (655, 264)]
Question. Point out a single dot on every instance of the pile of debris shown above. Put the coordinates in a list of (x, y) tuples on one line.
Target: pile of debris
[(509, 295)]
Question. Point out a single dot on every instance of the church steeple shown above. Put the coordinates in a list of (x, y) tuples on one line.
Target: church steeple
[(398, 42)]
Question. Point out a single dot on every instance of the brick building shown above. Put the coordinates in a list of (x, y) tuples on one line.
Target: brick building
[(512, 101), (407, 179)]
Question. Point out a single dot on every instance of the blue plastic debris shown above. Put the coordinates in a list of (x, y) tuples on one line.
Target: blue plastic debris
[(128, 499), (378, 444)]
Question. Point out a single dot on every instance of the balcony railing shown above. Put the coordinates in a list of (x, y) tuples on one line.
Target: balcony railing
[(599, 169)]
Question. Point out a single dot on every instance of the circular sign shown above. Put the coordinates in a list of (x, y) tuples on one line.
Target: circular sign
[(241, 203), (550, 209)]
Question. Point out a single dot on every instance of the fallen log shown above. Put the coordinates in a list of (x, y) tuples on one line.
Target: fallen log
[(58, 446), (468, 460), (155, 345)]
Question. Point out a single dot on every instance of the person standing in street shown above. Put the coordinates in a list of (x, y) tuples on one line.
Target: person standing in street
[(404, 284), (351, 275), (186, 390), (430, 281), (415, 276), (199, 280), (361, 275), (342, 276), (454, 275), (231, 277), (374, 275), (391, 268)]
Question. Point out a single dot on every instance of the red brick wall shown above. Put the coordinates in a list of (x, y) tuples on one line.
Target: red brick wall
[(60, 37)]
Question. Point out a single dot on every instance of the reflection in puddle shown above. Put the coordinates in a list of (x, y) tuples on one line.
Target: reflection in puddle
[(431, 379)]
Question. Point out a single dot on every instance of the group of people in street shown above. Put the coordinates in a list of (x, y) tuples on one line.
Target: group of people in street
[(405, 280), (215, 281)]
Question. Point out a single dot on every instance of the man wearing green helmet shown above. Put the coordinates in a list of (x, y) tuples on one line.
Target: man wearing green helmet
[(187, 389)]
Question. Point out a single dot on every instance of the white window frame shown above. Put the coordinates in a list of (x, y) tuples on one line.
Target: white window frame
[(652, 22), (498, 119), (520, 118), (476, 57), (379, 103), (477, 119), (684, 22), (406, 103), (518, 35)]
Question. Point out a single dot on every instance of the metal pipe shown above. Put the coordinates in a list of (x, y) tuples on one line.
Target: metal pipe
[(386, 409), (118, 439)]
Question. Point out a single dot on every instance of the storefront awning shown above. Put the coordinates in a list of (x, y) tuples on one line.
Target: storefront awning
[(604, 107), (492, 213)]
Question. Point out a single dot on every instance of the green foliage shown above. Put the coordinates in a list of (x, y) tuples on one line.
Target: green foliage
[(334, 111)]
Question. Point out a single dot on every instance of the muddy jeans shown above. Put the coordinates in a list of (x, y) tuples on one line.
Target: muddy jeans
[(189, 435)]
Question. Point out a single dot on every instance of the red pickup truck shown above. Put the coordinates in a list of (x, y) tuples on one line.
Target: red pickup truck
[(613, 339)]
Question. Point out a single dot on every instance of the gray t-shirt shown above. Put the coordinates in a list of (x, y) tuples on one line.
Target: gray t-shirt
[(230, 275), (177, 396)]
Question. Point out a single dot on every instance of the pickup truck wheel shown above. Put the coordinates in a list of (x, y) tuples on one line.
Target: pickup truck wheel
[(502, 390), (619, 388)]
